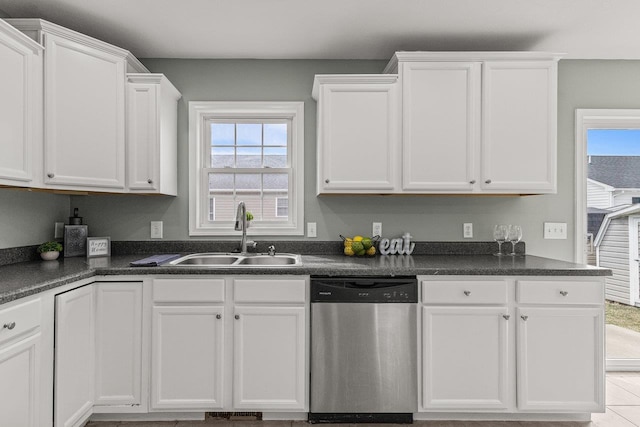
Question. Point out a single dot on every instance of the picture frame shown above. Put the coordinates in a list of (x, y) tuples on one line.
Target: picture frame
[(98, 247)]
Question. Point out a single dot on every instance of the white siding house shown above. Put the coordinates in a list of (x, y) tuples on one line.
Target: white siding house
[(613, 181), (599, 195), (617, 245)]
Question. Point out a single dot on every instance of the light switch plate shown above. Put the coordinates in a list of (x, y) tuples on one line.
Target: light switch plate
[(467, 230), (376, 229), (311, 229), (555, 230), (156, 229)]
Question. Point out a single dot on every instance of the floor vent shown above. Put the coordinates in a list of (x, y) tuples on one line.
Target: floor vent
[(236, 416)]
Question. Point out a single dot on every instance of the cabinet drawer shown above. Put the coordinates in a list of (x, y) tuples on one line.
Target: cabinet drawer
[(559, 292), (188, 290), (267, 290), (464, 292), (19, 319)]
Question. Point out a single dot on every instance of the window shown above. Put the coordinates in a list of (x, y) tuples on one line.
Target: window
[(635, 200), (250, 152)]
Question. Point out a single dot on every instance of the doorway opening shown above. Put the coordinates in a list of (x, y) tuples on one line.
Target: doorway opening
[(608, 221)]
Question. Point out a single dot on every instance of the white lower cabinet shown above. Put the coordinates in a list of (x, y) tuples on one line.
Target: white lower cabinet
[(20, 365), (187, 357), (502, 345), (465, 358), (252, 359), (269, 358)]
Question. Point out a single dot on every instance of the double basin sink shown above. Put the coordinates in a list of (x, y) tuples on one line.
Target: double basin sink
[(218, 260)]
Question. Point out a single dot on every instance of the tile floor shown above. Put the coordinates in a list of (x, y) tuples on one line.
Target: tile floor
[(623, 410)]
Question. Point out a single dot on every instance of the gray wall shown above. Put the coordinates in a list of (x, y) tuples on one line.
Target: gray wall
[(27, 218), (4, 14)]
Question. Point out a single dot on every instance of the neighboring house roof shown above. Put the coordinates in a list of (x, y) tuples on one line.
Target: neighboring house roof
[(628, 211), (616, 171)]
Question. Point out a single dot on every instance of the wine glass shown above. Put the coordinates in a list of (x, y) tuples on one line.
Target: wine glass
[(514, 235), (500, 235)]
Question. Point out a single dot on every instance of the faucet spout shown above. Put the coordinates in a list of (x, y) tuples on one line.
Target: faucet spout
[(241, 225)]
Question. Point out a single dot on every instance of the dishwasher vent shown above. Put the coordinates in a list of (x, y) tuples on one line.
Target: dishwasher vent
[(236, 416)]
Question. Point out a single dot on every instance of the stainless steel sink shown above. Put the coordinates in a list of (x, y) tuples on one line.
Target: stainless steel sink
[(220, 260)]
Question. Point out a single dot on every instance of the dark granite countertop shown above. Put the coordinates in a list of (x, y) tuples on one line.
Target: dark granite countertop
[(28, 278)]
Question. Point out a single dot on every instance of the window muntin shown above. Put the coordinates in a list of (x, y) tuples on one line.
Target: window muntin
[(254, 156)]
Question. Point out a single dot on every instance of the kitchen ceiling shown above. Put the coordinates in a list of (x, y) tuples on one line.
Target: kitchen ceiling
[(346, 29)]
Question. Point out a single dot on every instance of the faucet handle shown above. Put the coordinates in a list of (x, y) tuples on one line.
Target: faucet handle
[(271, 250)]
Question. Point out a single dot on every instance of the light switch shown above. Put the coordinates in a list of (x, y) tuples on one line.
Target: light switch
[(311, 229), (376, 229), (156, 229), (467, 230), (555, 230)]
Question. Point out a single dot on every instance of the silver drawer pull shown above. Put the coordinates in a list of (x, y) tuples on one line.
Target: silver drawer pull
[(524, 318), (218, 316), (9, 325), (506, 316), (564, 293), (50, 175), (473, 181), (467, 293), (488, 181), (149, 181), (237, 316)]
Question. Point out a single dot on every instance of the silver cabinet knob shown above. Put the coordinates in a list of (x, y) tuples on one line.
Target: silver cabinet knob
[(473, 181), (564, 293), (50, 175), (9, 325), (237, 316), (488, 181), (467, 293), (218, 316), (506, 316), (524, 318), (149, 181), (327, 181)]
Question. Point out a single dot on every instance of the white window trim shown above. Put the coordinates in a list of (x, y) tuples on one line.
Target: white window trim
[(199, 113)]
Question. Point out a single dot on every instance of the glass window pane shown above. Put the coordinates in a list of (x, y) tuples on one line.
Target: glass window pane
[(221, 157), (248, 181), (275, 134), (253, 202), (222, 133), (249, 133), (224, 207), (276, 181), (275, 206), (248, 157), (220, 181), (275, 157)]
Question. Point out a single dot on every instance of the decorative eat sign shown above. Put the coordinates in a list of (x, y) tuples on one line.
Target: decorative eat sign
[(400, 246)]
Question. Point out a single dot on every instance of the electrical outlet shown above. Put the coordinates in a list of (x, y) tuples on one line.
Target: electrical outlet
[(311, 229), (467, 230), (58, 230), (555, 230), (156, 229), (376, 229)]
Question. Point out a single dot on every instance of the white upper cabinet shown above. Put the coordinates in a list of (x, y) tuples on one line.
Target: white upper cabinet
[(358, 133), (471, 123), (440, 125), (152, 104), (20, 107), (519, 126)]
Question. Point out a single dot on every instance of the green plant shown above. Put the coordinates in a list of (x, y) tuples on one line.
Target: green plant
[(249, 216), (49, 247)]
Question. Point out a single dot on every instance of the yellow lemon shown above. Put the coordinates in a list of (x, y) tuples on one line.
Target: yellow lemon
[(371, 251), (358, 238), (347, 242), (348, 251)]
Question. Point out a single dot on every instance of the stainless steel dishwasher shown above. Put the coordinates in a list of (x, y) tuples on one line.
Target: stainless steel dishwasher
[(363, 349)]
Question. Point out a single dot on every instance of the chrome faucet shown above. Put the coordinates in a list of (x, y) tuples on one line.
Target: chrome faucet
[(241, 225)]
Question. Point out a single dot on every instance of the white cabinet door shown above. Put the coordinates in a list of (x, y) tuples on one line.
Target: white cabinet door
[(74, 357), (560, 359), (151, 134), (519, 126), (118, 344), (358, 135), (19, 387), (269, 358), (440, 125), (20, 106), (187, 357), (465, 358), (84, 116)]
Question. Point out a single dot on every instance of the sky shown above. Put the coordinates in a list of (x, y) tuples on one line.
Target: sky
[(613, 142)]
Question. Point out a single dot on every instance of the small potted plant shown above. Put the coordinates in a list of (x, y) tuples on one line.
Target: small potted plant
[(49, 250)]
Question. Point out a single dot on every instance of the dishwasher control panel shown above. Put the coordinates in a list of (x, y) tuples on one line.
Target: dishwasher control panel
[(366, 290)]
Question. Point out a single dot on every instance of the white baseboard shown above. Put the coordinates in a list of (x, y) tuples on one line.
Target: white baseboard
[(152, 416), (285, 416), (474, 416)]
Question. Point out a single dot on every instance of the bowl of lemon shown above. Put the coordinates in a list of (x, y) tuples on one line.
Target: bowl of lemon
[(359, 246)]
